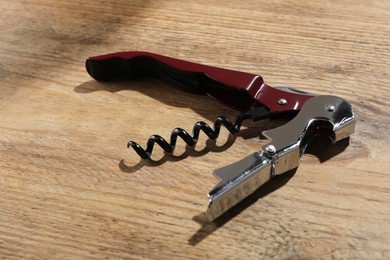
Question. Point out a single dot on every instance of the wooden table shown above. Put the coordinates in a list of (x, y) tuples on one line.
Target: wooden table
[(70, 188)]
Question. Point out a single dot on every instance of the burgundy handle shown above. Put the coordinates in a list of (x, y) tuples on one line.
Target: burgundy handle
[(239, 90)]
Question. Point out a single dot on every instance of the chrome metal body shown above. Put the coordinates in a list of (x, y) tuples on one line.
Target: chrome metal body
[(327, 115)]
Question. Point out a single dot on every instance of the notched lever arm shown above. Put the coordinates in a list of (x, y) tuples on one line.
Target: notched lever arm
[(327, 115)]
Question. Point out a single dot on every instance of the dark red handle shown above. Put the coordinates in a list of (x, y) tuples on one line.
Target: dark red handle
[(239, 90)]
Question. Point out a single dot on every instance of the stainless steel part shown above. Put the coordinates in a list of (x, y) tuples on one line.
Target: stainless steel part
[(282, 101), (294, 90), (283, 153)]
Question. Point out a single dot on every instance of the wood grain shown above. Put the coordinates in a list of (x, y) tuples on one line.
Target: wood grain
[(69, 187)]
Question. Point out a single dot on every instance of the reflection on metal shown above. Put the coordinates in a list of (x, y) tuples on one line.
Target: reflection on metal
[(328, 115)]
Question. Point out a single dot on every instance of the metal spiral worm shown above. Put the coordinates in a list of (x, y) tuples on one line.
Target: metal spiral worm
[(255, 114)]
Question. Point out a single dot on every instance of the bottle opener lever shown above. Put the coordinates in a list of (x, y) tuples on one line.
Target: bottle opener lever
[(328, 115)]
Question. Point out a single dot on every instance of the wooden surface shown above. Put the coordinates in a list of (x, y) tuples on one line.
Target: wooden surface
[(69, 187)]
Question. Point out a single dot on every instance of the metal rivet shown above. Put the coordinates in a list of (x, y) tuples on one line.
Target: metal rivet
[(282, 101), (330, 108), (270, 149)]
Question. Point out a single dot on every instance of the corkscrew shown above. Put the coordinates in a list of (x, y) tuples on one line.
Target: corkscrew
[(247, 93), (212, 133)]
